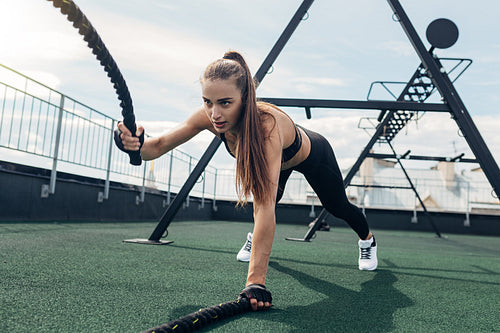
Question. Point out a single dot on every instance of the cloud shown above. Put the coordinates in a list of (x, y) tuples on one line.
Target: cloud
[(29, 33), (158, 52), (399, 48), (322, 81)]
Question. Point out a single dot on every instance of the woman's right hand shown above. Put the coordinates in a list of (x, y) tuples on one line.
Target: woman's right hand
[(259, 297), (124, 139)]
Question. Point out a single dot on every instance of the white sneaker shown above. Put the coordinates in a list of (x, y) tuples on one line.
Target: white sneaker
[(244, 254), (367, 255)]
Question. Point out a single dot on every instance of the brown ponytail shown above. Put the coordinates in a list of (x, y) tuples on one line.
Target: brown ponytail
[(252, 176)]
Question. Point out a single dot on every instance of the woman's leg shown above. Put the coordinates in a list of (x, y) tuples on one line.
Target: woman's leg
[(323, 174), (284, 175)]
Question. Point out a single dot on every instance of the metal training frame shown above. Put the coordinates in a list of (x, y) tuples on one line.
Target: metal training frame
[(394, 115)]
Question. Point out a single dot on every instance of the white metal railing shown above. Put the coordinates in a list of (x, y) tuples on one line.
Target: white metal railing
[(41, 122)]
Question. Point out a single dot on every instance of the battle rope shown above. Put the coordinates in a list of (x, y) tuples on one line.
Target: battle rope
[(80, 21), (203, 317)]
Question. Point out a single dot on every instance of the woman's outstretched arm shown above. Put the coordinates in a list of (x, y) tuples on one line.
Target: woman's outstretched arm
[(155, 147)]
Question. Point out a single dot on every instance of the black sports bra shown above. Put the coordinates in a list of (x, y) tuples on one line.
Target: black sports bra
[(287, 153)]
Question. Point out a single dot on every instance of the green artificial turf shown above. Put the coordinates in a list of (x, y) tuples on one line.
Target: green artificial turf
[(67, 277)]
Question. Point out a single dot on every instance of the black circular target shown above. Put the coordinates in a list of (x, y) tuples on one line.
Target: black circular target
[(442, 33)]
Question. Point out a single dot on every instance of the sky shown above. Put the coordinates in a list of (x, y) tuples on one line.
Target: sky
[(337, 51)]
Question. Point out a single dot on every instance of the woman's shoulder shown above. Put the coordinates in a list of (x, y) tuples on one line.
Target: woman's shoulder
[(277, 121), (277, 115), (269, 115), (267, 107)]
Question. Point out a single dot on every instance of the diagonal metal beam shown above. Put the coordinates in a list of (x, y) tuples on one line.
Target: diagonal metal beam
[(282, 40), (431, 220)]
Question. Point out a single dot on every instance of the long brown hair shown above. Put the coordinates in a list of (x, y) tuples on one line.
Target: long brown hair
[(252, 176)]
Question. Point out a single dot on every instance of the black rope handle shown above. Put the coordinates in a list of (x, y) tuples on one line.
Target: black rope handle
[(85, 28), (203, 317)]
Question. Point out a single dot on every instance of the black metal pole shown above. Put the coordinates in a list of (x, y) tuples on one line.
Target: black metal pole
[(431, 220), (174, 207), (176, 204), (358, 105), (316, 223), (426, 158)]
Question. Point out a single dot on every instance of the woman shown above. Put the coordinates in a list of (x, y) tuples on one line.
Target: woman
[(267, 146)]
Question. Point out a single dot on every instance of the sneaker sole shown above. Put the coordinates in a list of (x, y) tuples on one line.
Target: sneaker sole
[(368, 268)]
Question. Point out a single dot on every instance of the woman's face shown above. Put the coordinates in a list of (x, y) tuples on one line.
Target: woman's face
[(222, 100)]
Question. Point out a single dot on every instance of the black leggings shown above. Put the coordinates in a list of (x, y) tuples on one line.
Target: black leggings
[(322, 172)]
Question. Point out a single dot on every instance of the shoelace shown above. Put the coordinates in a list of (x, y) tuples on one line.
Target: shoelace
[(248, 246), (366, 253)]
